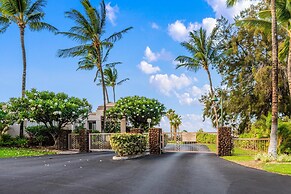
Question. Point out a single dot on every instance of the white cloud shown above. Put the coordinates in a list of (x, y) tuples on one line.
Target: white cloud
[(208, 24), (148, 68), (151, 56), (186, 99), (197, 92), (190, 123), (220, 8), (155, 26), (178, 31), (111, 13), (168, 83)]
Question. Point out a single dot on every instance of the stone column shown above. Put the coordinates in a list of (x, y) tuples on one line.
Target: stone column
[(155, 143), (123, 125), (84, 140), (224, 141)]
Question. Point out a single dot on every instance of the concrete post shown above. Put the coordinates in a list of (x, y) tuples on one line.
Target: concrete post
[(123, 125)]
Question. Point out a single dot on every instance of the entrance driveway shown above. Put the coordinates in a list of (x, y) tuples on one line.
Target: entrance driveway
[(168, 173)]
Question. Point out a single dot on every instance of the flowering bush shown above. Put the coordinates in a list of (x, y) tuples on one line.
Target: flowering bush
[(138, 110), (53, 110), (128, 144)]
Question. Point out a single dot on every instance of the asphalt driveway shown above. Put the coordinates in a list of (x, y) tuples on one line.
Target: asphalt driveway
[(168, 173)]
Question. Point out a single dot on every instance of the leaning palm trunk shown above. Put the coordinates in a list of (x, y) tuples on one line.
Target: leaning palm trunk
[(273, 136), (23, 88), (104, 99), (289, 66), (212, 96), (113, 88)]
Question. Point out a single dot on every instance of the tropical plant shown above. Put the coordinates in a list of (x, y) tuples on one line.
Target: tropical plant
[(128, 144), (54, 111), (203, 54), (170, 115), (6, 119), (93, 50), (273, 135), (23, 13), (138, 110), (111, 77), (175, 122)]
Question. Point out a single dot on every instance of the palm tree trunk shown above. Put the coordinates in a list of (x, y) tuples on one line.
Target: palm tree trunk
[(273, 136), (289, 66), (212, 96), (107, 96), (113, 88), (23, 74), (104, 99)]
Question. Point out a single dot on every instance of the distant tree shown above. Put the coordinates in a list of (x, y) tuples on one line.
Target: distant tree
[(23, 13), (111, 77), (93, 50), (170, 115), (137, 110)]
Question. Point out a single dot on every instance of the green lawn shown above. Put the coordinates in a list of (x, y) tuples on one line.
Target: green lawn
[(278, 168), (246, 157), (19, 152)]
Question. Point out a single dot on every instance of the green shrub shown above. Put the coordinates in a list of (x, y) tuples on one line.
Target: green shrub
[(128, 144), (208, 138), (39, 135), (8, 141)]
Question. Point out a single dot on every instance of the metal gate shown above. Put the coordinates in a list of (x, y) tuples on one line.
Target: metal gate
[(182, 142), (73, 141), (100, 141)]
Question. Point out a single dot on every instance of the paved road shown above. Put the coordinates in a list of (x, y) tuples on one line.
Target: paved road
[(187, 147), (169, 173)]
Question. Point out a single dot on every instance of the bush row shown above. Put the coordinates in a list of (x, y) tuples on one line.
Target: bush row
[(128, 144), (202, 137)]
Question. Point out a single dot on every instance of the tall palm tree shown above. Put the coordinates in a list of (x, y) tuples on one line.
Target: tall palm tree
[(273, 136), (23, 13), (203, 53), (89, 30), (111, 76)]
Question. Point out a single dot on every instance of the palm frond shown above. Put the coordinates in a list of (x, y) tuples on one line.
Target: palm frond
[(36, 7), (74, 36), (284, 49), (117, 36), (36, 26), (112, 65), (188, 62), (124, 80), (263, 25), (74, 51), (102, 16)]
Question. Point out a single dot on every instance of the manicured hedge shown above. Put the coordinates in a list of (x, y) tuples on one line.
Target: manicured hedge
[(128, 144), (202, 137)]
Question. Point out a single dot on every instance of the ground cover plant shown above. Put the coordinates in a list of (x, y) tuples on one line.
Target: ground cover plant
[(20, 152)]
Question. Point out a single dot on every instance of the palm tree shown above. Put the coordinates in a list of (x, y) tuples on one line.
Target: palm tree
[(23, 13), (170, 115), (111, 76), (203, 53), (273, 136), (176, 122), (93, 49)]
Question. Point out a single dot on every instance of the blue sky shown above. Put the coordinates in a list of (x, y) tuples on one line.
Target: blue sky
[(147, 53)]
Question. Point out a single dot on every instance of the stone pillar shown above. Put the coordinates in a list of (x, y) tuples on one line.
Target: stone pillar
[(63, 140), (224, 141), (155, 143), (123, 125), (84, 140)]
